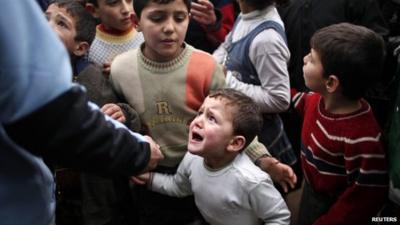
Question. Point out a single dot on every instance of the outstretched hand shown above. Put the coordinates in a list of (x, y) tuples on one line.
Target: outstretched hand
[(141, 179), (202, 11), (280, 173), (156, 154)]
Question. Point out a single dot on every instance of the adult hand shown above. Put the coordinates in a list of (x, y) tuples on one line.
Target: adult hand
[(202, 11), (280, 173), (156, 154)]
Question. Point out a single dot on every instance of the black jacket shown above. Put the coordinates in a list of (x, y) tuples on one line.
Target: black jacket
[(303, 17)]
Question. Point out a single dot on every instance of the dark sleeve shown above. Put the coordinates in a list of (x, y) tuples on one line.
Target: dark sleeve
[(132, 117), (72, 134)]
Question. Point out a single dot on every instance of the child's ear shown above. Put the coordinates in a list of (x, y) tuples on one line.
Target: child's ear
[(92, 10), (332, 83), (81, 48), (135, 20), (236, 144)]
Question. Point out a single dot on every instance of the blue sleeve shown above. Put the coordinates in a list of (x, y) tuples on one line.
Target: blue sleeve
[(40, 109), (34, 65)]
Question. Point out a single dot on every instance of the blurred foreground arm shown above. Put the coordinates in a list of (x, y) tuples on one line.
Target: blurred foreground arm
[(76, 134), (43, 112)]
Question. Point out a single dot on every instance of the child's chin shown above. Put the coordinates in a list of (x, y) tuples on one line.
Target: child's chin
[(194, 151)]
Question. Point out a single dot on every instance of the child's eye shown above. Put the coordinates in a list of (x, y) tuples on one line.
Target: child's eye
[(180, 17), (62, 24), (212, 119), (111, 2), (157, 18)]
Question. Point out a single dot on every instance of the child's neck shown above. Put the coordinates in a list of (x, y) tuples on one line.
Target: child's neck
[(245, 8), (219, 163), (338, 104), (113, 31)]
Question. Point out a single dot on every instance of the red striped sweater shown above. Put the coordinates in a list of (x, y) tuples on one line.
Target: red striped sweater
[(342, 155)]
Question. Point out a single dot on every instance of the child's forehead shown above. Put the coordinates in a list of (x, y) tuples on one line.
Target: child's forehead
[(219, 102), (314, 53), (101, 2), (60, 11), (109, 3), (56, 7), (158, 3)]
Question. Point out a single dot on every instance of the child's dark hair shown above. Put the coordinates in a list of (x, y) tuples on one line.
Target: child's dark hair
[(247, 119), (261, 4), (139, 5), (85, 24), (355, 54)]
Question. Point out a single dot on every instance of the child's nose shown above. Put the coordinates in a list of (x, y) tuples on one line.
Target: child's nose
[(169, 25), (198, 121), (305, 59), (52, 24), (126, 7)]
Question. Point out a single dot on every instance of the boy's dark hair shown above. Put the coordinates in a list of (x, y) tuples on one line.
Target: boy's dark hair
[(85, 24), (139, 5), (246, 115), (261, 4), (355, 54)]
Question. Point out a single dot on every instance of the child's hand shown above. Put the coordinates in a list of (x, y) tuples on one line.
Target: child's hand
[(203, 12), (114, 111), (279, 172), (141, 179)]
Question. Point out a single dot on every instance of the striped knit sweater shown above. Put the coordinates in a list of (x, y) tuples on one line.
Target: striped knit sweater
[(343, 156), (167, 95), (106, 46)]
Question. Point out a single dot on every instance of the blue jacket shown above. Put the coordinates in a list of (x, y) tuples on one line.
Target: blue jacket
[(44, 114)]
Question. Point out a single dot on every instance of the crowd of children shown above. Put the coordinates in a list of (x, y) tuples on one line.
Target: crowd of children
[(217, 117)]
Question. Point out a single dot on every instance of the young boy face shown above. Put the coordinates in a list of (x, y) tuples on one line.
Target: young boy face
[(313, 72), (164, 28), (63, 24), (115, 14), (212, 129)]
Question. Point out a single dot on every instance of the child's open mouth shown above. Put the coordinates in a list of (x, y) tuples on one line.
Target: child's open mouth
[(196, 137)]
